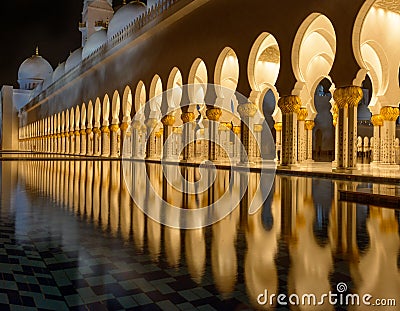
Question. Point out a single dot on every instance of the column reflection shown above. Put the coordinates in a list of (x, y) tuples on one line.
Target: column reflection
[(262, 234), (241, 252), (311, 263), (377, 272)]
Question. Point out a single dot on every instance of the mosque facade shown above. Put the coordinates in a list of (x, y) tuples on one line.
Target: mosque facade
[(151, 80)]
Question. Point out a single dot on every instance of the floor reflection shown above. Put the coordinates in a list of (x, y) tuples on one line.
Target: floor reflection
[(303, 240)]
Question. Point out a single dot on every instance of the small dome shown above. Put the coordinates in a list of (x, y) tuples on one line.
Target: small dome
[(59, 72), (125, 16), (73, 60), (151, 3), (34, 68), (95, 41)]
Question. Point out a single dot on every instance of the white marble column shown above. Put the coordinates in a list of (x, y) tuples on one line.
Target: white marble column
[(96, 141), (72, 141), (278, 143), (77, 141), (105, 141), (302, 135), (247, 112), (151, 125), (126, 136), (309, 125), (377, 122), (115, 140), (136, 126), (168, 122), (188, 119), (289, 106), (388, 134), (213, 114), (83, 137), (347, 99)]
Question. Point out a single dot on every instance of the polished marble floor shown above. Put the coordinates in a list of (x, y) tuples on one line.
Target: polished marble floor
[(73, 239)]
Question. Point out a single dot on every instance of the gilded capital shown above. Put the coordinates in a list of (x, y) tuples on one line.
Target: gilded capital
[(302, 114), (168, 120), (247, 110), (236, 130), (288, 104), (278, 126), (88, 131), (77, 133), (335, 109), (114, 128), (96, 130), (187, 117), (377, 120), (105, 129), (309, 125), (83, 132), (348, 96), (390, 113), (124, 126), (214, 114)]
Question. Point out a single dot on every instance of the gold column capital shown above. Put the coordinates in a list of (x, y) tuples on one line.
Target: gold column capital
[(96, 130), (247, 110), (236, 130), (377, 120), (187, 117), (288, 104), (83, 132), (168, 120), (88, 131), (278, 126), (105, 129), (124, 126), (309, 125), (302, 114), (214, 114), (389, 113), (114, 128), (77, 133), (348, 96)]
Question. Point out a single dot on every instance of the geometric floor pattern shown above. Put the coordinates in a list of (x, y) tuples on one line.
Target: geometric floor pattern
[(37, 273)]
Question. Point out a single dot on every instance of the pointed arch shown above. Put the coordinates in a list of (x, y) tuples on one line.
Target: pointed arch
[(115, 107), (127, 103), (140, 97), (106, 110)]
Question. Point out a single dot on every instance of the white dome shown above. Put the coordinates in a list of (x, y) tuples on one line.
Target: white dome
[(73, 60), (35, 68), (151, 3), (125, 16), (95, 41), (59, 72)]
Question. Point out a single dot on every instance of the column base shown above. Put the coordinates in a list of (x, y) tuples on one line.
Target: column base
[(375, 164), (387, 166), (288, 166)]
